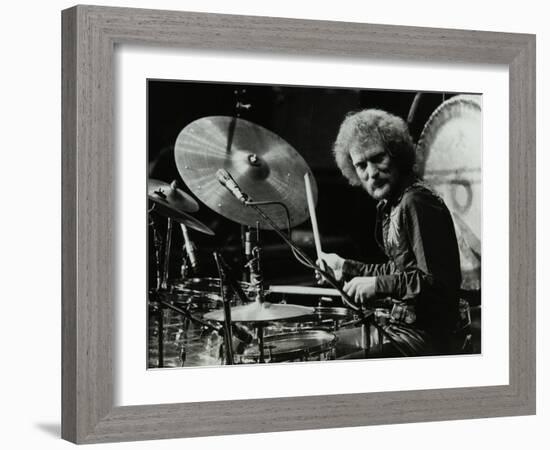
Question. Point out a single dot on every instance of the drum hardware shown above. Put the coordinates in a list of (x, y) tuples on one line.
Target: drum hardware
[(295, 249), (365, 319), (155, 302), (240, 104), (170, 201), (228, 337), (219, 148), (167, 248), (170, 198), (157, 244), (257, 312), (251, 247), (293, 346), (189, 248), (264, 164), (256, 279), (174, 204), (187, 316)]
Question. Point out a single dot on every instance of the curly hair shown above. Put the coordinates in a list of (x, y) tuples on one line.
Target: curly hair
[(373, 127)]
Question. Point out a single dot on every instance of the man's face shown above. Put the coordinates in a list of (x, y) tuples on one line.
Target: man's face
[(374, 167)]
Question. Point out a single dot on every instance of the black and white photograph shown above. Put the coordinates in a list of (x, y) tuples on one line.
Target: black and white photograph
[(292, 224)]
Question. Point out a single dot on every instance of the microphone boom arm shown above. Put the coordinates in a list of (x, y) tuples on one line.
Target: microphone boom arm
[(345, 297)]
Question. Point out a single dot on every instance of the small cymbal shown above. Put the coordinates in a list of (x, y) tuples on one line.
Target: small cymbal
[(265, 166), (260, 312), (170, 198)]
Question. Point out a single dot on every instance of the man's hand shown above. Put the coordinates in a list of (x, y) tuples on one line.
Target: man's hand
[(361, 289), (332, 263)]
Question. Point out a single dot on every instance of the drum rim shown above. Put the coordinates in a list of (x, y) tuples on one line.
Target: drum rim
[(322, 347)]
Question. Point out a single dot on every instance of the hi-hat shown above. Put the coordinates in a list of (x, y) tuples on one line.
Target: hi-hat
[(264, 165), (260, 312)]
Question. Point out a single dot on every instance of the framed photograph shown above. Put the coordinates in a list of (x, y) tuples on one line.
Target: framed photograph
[(265, 228)]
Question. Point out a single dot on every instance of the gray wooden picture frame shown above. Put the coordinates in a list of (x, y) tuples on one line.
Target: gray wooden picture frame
[(90, 34)]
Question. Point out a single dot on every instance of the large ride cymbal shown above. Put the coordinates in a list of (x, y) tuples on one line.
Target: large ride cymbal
[(263, 164)]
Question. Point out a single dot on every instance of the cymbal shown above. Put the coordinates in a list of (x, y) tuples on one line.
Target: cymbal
[(195, 224), (265, 166), (170, 197), (260, 312), (174, 203)]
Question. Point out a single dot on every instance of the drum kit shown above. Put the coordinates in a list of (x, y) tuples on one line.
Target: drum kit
[(250, 176)]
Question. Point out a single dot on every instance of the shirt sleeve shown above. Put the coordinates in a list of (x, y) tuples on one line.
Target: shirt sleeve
[(352, 269)]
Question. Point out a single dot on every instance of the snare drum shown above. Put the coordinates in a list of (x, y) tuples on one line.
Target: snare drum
[(306, 345), (323, 318)]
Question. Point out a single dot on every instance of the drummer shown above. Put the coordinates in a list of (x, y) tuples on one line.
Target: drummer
[(420, 280)]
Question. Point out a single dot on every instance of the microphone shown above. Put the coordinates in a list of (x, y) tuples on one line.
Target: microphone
[(190, 248), (227, 180)]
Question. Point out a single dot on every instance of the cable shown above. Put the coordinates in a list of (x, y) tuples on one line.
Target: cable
[(299, 255)]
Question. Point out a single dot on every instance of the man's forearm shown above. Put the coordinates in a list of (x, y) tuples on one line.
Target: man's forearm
[(351, 269)]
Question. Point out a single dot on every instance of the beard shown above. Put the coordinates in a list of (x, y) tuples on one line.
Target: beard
[(379, 189)]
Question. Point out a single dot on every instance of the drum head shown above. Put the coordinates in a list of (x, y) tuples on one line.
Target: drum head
[(204, 293), (292, 346), (449, 159)]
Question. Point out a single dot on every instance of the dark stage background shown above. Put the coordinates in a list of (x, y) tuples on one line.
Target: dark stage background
[(308, 119)]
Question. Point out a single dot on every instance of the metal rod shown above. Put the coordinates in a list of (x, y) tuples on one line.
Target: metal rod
[(345, 298), (160, 332), (365, 338), (228, 337), (157, 244), (167, 245), (261, 343), (189, 316)]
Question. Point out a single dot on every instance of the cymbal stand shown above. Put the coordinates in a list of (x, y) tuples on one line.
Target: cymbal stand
[(254, 267), (157, 244), (256, 281), (228, 336), (162, 282), (240, 332), (365, 318), (167, 245), (246, 240)]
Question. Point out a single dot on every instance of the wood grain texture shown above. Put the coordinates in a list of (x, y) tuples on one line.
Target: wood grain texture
[(68, 225), (89, 270)]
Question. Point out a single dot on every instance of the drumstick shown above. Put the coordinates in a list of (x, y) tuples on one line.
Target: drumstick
[(313, 216), (303, 290)]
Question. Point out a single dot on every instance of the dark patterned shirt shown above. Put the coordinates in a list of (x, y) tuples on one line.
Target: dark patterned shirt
[(417, 235)]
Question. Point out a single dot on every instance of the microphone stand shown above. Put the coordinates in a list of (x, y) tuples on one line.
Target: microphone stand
[(365, 318), (345, 297)]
